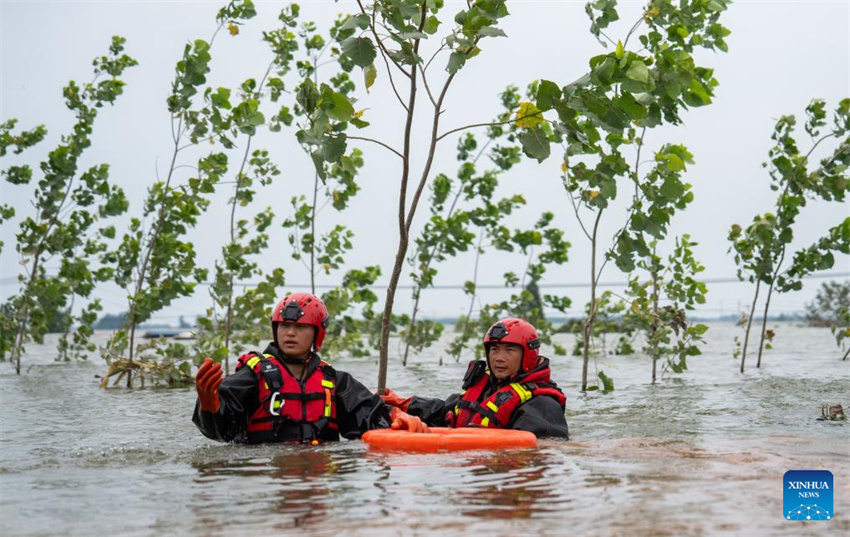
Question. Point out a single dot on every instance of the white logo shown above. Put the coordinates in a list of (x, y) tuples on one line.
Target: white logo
[(808, 512)]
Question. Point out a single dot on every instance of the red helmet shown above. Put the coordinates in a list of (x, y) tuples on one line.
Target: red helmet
[(302, 308), (519, 332)]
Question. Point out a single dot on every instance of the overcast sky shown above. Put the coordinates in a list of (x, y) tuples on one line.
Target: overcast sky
[(781, 55)]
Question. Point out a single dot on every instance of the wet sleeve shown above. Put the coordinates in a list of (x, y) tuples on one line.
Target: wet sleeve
[(239, 397), (432, 410), (542, 416), (357, 409)]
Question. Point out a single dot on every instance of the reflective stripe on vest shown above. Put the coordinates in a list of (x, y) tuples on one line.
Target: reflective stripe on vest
[(288, 409), (497, 409)]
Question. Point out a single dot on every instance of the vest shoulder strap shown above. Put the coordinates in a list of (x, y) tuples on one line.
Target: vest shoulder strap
[(269, 371), (473, 373), (249, 359), (328, 371)]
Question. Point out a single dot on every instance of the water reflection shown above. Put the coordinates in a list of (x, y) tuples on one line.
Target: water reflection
[(292, 486), (509, 484), (448, 488)]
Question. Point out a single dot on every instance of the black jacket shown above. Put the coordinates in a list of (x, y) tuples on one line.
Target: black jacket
[(358, 410), (541, 415)]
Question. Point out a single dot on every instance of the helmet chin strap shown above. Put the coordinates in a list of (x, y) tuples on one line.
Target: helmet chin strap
[(294, 361)]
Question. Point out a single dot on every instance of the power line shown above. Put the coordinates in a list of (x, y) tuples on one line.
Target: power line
[(8, 281), (540, 285)]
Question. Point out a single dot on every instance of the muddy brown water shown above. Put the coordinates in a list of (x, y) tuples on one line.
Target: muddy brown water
[(701, 453)]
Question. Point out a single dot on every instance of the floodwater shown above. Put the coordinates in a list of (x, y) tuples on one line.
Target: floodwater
[(702, 453)]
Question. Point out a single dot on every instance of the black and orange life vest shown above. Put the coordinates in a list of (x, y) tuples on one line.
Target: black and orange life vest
[(292, 411), (474, 410)]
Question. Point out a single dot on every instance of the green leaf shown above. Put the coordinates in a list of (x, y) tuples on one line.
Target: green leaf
[(535, 144), (672, 189), (361, 21), (638, 72), (370, 74), (361, 50), (491, 31), (672, 161), (699, 329), (548, 94), (336, 105), (696, 95), (256, 119), (333, 148), (359, 123), (627, 103), (431, 25), (456, 61), (307, 95), (319, 163)]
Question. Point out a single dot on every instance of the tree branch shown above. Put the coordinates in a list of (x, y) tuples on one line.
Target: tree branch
[(392, 81), (439, 50), (629, 35), (427, 87), (496, 124), (376, 142), (576, 209)]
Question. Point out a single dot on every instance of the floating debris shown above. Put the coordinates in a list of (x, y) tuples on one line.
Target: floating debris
[(832, 413)]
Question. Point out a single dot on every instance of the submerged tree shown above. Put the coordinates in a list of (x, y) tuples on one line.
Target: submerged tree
[(238, 321), (659, 306), (397, 31), (462, 210), (830, 300), (324, 103), (841, 330), (762, 248), (323, 110), (65, 227), (609, 110), (155, 262), (831, 307)]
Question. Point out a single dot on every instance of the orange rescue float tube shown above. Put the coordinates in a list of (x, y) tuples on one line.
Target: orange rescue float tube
[(446, 439)]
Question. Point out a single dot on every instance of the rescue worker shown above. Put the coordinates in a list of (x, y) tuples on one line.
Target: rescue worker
[(511, 389), (287, 393)]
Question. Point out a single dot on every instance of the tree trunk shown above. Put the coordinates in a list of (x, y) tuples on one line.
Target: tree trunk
[(764, 323), (588, 323), (313, 234), (402, 240), (406, 221), (654, 327), (17, 350), (749, 325), (586, 334)]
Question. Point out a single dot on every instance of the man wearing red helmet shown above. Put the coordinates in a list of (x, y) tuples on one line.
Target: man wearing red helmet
[(512, 389), (287, 393)]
